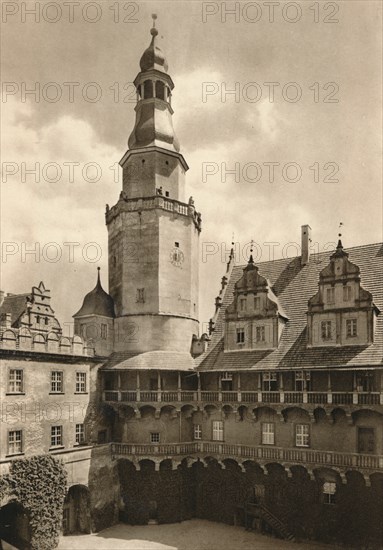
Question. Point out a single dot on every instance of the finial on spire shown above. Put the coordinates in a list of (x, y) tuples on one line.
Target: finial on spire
[(251, 259), (98, 275), (340, 235), (153, 30)]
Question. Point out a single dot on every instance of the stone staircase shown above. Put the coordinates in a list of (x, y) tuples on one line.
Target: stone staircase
[(277, 524)]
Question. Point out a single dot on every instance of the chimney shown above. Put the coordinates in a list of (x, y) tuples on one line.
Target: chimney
[(305, 244)]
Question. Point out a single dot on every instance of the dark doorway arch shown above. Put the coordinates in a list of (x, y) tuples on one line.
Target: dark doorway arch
[(76, 511), (14, 525)]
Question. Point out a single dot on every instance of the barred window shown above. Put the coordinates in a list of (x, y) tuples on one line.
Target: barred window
[(268, 433), (57, 382), (155, 437), (80, 433), (15, 384), (56, 436), (140, 295), (302, 435), (15, 444), (80, 382)]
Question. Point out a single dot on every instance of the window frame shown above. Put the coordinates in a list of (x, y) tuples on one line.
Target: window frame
[(60, 444), (266, 433), (217, 430), (351, 328), (79, 433), (268, 379), (304, 436), (78, 383), (329, 495), (260, 333), (347, 293), (326, 330), (330, 295), (240, 335), (14, 391), (55, 382), (197, 432), (20, 451)]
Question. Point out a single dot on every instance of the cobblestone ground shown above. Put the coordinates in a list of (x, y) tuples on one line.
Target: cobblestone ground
[(189, 535)]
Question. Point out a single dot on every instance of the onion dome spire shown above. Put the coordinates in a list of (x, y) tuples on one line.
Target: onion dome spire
[(153, 57)]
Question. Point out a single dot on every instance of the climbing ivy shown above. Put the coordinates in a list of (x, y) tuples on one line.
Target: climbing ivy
[(39, 484)]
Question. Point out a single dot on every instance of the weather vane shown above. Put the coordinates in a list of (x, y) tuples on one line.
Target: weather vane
[(251, 246), (154, 17), (232, 239), (339, 229)]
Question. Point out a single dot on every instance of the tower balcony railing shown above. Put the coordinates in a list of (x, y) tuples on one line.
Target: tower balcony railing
[(221, 450), (244, 397)]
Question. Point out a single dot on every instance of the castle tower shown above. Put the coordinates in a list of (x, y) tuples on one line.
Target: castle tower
[(153, 233)]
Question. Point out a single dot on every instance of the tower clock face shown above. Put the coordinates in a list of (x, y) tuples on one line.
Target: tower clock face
[(177, 257)]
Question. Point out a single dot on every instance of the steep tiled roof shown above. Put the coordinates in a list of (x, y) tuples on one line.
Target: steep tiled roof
[(153, 360), (97, 302), (16, 305), (294, 284)]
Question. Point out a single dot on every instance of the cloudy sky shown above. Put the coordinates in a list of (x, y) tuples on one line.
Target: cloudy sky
[(318, 120)]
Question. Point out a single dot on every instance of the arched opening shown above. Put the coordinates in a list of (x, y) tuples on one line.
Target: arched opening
[(14, 525), (160, 90), (76, 511), (148, 89)]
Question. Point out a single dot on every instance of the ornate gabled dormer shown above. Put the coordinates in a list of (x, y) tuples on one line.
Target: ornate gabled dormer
[(341, 313), (255, 319)]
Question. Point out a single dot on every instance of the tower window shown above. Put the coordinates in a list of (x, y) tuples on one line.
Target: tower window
[(243, 304), (140, 295), (160, 90), (104, 331), (177, 245), (154, 437), (166, 193), (148, 89), (257, 303)]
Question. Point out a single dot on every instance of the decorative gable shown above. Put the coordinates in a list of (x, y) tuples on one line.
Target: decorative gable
[(255, 319), (341, 313)]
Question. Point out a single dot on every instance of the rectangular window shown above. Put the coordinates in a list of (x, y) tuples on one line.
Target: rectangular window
[(329, 490), (16, 377), (140, 295), (80, 382), (330, 294), (346, 293), (257, 303), (299, 381), (260, 334), (80, 433), (155, 437), (326, 330), (351, 328), (217, 430), (365, 382), (15, 442), (56, 436), (269, 381), (240, 335), (268, 433), (243, 304), (302, 435), (57, 385), (104, 331), (366, 440), (197, 431)]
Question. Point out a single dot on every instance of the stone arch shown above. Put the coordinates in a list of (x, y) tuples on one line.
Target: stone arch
[(147, 464), (188, 410), (9, 339), (166, 465), (320, 414), (38, 342), (52, 342), (228, 409), (211, 408), (291, 414), (232, 464), (78, 345), (263, 411), (147, 410), (65, 345), (76, 510), (14, 525), (299, 472), (25, 338), (338, 415), (169, 411), (276, 470), (243, 411)]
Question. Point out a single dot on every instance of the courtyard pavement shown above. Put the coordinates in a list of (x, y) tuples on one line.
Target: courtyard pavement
[(194, 534)]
